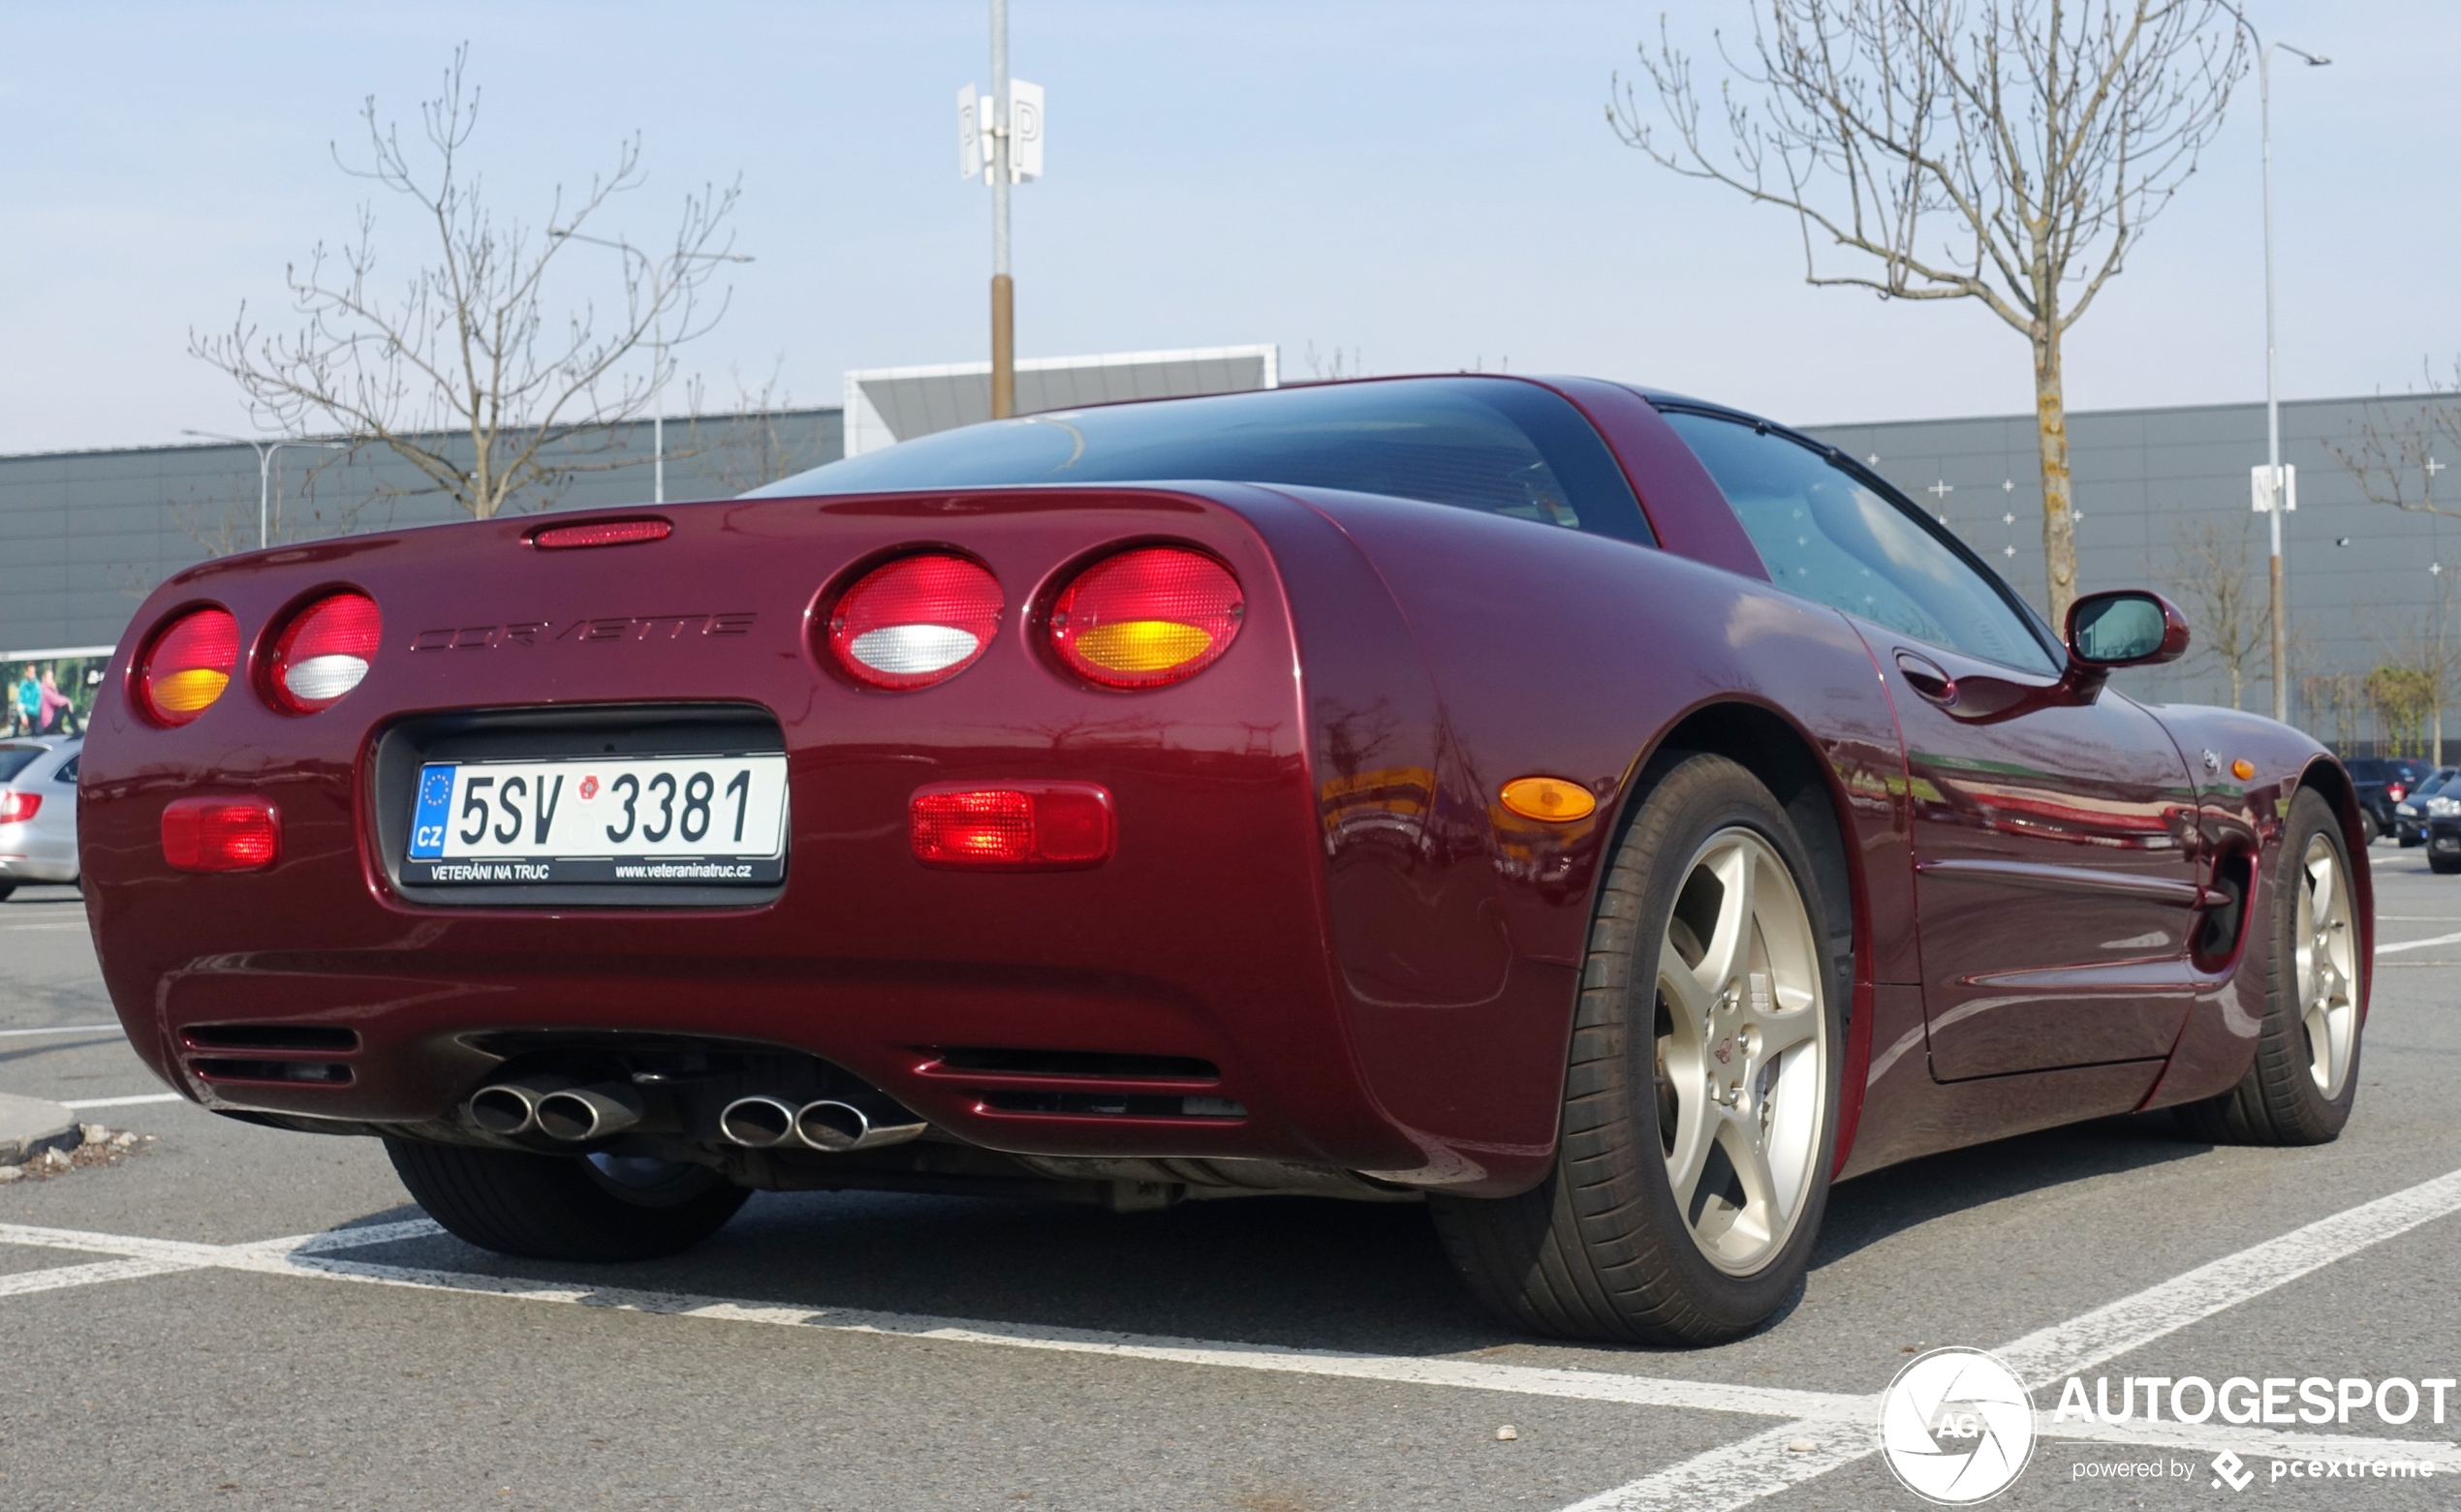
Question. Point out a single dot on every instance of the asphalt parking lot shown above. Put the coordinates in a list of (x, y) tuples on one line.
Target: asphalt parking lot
[(234, 1317)]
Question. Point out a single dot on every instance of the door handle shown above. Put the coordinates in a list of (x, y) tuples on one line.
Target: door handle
[(1927, 678)]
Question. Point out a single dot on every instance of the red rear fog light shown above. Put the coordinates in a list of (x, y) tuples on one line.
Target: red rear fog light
[(15, 808), (1013, 826), (221, 834)]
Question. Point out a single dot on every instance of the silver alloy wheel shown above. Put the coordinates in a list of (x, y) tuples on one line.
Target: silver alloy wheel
[(1743, 1048), (2328, 977)]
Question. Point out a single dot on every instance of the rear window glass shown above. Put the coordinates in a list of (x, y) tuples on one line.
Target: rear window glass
[(17, 759), (1495, 444)]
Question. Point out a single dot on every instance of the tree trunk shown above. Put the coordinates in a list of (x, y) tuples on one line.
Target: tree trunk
[(2059, 521)]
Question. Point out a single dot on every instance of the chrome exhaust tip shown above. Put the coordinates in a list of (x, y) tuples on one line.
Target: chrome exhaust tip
[(505, 1109), (574, 1114), (839, 1126), (757, 1123)]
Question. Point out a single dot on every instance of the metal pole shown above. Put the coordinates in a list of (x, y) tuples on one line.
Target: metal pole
[(265, 489), (1004, 391), (2272, 396)]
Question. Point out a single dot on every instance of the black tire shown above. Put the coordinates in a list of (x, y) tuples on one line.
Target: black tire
[(545, 1207), (7, 889), (1600, 1250), (2442, 864), (2278, 1101)]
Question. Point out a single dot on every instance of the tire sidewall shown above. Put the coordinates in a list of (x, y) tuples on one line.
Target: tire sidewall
[(2317, 1114), (1707, 794)]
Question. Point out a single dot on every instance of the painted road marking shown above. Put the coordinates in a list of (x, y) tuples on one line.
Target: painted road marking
[(2417, 944), (66, 1029), (1726, 1478), (124, 1102), (1838, 1424)]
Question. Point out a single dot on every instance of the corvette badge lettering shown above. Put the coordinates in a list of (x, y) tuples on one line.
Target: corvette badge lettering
[(531, 632)]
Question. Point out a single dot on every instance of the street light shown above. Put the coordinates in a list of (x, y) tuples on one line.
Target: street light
[(264, 468), (657, 348), (2276, 493)]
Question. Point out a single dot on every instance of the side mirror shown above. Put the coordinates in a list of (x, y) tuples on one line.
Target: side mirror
[(2124, 628)]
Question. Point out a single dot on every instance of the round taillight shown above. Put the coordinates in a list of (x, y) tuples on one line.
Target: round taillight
[(323, 651), (187, 665), (916, 621), (1146, 617)]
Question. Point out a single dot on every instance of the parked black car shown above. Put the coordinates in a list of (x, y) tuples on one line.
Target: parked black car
[(2382, 783), (2437, 794), (2444, 842)]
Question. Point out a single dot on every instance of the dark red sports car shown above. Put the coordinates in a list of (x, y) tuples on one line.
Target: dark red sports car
[(1605, 815)]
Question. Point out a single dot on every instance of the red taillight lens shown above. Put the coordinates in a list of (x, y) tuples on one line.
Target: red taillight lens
[(1146, 617), (1011, 825), (601, 533), (221, 834), (2396, 792), (916, 621), (187, 665), (16, 807), (323, 651)]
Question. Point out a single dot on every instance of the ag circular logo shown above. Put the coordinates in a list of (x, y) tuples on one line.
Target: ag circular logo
[(1956, 1427)]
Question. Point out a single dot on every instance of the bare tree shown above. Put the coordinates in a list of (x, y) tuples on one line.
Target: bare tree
[(745, 445), (466, 368), (2006, 151), (2232, 613), (2392, 453), (2336, 700)]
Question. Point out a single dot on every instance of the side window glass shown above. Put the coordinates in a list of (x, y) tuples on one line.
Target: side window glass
[(1830, 538), (68, 771)]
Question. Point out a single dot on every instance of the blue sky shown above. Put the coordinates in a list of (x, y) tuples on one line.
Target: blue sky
[(1428, 185)]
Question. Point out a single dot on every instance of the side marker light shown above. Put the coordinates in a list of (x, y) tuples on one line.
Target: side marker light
[(1556, 800)]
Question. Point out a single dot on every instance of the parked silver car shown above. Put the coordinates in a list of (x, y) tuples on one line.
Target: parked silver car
[(38, 810)]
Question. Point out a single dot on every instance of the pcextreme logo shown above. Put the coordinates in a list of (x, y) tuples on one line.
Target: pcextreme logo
[(1956, 1427)]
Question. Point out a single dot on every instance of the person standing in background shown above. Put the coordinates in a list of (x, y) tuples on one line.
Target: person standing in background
[(29, 700)]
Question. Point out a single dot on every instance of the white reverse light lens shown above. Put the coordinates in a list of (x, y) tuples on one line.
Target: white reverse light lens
[(906, 650), (322, 679)]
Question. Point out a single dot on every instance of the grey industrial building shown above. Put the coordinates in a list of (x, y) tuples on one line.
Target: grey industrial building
[(88, 533)]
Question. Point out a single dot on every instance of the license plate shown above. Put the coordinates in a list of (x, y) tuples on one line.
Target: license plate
[(677, 821)]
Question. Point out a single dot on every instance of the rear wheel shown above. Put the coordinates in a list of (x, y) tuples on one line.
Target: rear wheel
[(2444, 862), (2305, 1075), (1698, 1119), (545, 1207)]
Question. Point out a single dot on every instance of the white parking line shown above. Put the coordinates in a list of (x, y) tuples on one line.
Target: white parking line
[(65, 1029), (25, 1281), (2417, 944), (124, 1102), (1735, 1474)]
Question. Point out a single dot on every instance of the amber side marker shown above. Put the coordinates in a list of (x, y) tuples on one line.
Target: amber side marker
[(2243, 769), (1551, 798)]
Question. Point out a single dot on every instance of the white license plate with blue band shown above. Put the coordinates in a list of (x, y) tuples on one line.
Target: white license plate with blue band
[(671, 821)]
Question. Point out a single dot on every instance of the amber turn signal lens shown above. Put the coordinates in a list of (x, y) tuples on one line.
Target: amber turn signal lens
[(2243, 769), (1146, 617), (187, 665), (1555, 799)]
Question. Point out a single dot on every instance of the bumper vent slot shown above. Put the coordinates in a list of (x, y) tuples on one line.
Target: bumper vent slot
[(315, 1073), (271, 1036), (1079, 1064), (1098, 1104)]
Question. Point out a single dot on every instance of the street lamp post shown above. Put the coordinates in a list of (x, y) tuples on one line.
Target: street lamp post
[(657, 352), (265, 451), (2276, 491)]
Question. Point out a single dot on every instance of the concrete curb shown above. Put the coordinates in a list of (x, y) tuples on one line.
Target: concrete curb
[(30, 1125)]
